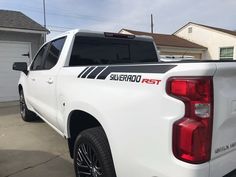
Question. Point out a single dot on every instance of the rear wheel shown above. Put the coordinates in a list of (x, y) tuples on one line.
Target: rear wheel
[(25, 113), (92, 155)]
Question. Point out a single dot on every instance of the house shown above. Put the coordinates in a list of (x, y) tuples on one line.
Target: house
[(221, 43), (171, 45), (20, 38)]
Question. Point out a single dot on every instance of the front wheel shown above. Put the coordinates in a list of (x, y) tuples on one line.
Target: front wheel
[(25, 113), (92, 155)]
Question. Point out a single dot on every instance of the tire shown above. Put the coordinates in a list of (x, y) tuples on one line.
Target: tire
[(25, 113), (92, 155)]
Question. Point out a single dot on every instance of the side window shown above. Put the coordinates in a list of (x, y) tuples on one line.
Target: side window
[(95, 51), (54, 53), (38, 61), (108, 51)]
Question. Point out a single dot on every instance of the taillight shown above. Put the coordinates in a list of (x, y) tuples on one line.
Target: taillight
[(192, 134)]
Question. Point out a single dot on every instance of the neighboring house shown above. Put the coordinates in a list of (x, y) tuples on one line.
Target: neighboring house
[(20, 38), (221, 43), (172, 46)]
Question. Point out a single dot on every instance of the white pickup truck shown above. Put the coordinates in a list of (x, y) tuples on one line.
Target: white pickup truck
[(125, 114)]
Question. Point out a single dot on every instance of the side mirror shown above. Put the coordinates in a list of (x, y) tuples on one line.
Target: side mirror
[(20, 66)]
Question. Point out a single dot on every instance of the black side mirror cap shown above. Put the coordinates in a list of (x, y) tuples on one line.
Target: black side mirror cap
[(20, 66)]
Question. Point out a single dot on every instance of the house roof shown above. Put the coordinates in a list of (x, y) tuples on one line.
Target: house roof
[(211, 27), (169, 40), (18, 20)]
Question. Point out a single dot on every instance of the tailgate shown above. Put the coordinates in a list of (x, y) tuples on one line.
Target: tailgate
[(224, 122)]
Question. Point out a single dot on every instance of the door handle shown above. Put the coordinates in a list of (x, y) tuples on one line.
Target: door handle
[(50, 81)]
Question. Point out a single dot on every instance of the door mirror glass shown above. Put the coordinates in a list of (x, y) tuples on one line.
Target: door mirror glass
[(20, 66)]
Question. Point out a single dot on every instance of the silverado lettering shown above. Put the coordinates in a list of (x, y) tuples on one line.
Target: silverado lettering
[(125, 77)]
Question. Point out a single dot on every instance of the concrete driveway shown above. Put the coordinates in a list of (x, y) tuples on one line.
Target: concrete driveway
[(31, 149)]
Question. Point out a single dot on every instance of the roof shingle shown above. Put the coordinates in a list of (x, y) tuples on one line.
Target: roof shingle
[(168, 40), (18, 20)]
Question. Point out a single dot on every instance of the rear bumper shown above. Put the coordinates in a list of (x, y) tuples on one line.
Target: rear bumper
[(223, 165)]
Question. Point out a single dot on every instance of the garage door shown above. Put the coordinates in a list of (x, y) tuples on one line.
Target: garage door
[(11, 52)]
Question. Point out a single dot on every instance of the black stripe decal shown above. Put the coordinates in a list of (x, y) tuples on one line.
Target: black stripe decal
[(95, 72), (82, 72), (87, 72), (135, 69)]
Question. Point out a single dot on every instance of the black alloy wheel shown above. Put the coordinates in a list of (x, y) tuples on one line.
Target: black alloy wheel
[(92, 155), (22, 105), (25, 113), (87, 161)]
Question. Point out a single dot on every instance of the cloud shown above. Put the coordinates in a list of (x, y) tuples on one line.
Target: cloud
[(112, 15), (169, 15)]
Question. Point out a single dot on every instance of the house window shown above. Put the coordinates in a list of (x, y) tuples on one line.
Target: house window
[(190, 30), (226, 53)]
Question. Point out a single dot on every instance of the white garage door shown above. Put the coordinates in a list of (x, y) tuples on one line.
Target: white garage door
[(11, 52)]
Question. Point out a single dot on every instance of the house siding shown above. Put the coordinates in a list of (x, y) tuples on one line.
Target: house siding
[(209, 38)]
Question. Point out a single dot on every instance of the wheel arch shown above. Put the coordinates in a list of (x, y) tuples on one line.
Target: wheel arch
[(78, 121)]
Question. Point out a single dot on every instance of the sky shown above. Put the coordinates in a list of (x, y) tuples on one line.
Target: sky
[(113, 15)]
